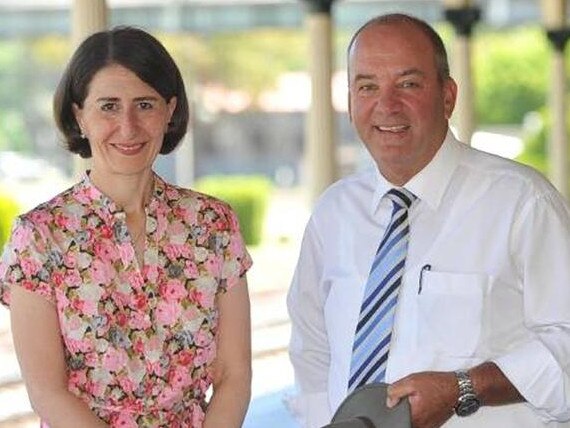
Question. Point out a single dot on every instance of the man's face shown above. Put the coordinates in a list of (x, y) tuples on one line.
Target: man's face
[(397, 104)]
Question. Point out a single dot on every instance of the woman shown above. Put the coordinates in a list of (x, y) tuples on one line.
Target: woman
[(128, 295)]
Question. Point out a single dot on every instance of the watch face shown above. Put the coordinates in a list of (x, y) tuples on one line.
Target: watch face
[(467, 407)]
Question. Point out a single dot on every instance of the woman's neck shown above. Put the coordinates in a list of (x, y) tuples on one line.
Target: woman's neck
[(130, 192)]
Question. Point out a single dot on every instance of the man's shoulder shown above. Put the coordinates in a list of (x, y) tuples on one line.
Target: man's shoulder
[(360, 184), (497, 168)]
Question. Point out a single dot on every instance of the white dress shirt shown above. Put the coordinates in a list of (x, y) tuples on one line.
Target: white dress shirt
[(496, 235)]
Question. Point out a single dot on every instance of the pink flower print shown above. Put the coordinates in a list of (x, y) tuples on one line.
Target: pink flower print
[(167, 312), (172, 290), (173, 251), (40, 217), (190, 270), (30, 267), (76, 377), (177, 233), (185, 358), (91, 360), (179, 377), (66, 223), (114, 360), (57, 278), (168, 397), (213, 265), (139, 321), (198, 416), (202, 357), (127, 384), (105, 231), (77, 305), (105, 250), (72, 278), (138, 346), (153, 349), (172, 193), (124, 420), (140, 301), (204, 298), (151, 272), (21, 237), (135, 280), (203, 337), (101, 272), (69, 260), (126, 252)]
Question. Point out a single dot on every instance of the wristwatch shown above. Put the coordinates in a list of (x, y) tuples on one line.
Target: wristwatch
[(468, 402)]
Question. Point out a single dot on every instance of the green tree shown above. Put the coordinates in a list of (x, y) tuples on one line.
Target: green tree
[(511, 74)]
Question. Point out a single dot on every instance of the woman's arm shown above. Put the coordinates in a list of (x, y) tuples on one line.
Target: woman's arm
[(232, 367), (39, 348)]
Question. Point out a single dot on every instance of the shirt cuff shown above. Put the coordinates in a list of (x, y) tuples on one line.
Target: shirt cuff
[(534, 372)]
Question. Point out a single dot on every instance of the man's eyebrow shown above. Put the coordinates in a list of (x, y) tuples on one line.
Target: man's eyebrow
[(361, 76), (412, 72)]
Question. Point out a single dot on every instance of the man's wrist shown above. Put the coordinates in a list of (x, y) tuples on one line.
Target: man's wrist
[(467, 402)]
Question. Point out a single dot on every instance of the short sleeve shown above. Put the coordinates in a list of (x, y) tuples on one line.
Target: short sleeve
[(237, 260), (26, 262)]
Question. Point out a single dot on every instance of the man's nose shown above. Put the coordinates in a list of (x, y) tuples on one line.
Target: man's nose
[(388, 101)]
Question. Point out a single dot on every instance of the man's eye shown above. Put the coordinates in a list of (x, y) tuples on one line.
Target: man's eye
[(409, 84), (367, 88)]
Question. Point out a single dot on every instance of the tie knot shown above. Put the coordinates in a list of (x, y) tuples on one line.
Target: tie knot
[(401, 197)]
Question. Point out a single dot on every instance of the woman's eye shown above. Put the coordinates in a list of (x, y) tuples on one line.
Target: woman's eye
[(145, 105), (109, 107)]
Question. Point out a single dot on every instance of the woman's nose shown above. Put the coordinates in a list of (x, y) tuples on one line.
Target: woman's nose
[(128, 124)]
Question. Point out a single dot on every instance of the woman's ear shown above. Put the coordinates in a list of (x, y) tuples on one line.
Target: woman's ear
[(78, 113)]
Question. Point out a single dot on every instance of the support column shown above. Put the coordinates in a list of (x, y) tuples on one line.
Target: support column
[(87, 17), (557, 31), (463, 17), (320, 147)]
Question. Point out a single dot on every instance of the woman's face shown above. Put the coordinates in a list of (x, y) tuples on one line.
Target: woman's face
[(124, 120)]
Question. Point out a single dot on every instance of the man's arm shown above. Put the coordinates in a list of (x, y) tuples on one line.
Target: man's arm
[(433, 395), (309, 347)]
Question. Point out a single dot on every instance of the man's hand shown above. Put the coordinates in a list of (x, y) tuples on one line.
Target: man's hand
[(432, 396)]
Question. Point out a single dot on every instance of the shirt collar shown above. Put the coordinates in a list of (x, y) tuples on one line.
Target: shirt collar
[(430, 183)]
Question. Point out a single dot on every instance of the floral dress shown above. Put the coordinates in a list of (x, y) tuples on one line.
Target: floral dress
[(139, 340)]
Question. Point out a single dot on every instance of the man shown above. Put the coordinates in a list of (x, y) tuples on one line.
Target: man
[(480, 328)]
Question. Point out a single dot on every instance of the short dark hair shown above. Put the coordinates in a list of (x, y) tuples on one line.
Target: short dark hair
[(441, 61), (135, 50)]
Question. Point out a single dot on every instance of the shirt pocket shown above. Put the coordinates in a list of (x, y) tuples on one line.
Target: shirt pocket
[(450, 312)]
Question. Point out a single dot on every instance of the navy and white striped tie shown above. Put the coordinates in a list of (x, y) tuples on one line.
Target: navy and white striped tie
[(374, 328)]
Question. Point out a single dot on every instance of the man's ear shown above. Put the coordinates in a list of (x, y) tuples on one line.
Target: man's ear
[(349, 107), (449, 97)]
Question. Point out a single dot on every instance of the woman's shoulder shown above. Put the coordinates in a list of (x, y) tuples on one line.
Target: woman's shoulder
[(190, 197)]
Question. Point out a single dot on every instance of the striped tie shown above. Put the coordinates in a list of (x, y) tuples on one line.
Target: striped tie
[(374, 328)]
